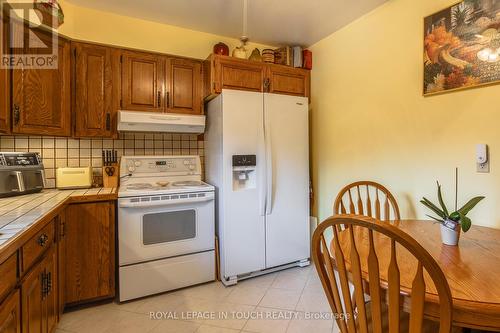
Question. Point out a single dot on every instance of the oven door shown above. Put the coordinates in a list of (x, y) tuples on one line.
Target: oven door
[(150, 228)]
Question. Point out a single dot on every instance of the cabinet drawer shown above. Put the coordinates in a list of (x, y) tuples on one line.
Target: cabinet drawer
[(8, 272), (37, 245)]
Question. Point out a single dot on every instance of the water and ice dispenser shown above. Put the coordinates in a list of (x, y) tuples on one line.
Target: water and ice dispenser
[(244, 172)]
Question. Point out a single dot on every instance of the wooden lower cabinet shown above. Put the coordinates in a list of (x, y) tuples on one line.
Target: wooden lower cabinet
[(10, 314), (61, 262), (90, 252), (39, 296)]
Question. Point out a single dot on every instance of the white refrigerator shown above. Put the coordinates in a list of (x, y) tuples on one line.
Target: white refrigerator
[(257, 156)]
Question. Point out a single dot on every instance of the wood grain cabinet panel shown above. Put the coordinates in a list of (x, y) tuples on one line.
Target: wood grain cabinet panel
[(32, 302), (8, 274), (10, 314), (90, 252), (61, 262), (36, 246), (39, 296), (4, 83), (232, 73), (42, 97), (93, 108), (143, 77), (184, 82), (288, 81)]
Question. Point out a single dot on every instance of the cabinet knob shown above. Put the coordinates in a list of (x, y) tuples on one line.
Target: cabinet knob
[(42, 240)]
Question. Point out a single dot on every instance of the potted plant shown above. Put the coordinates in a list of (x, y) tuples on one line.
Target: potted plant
[(451, 222)]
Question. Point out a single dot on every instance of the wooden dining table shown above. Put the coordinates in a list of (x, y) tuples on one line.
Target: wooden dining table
[(472, 269)]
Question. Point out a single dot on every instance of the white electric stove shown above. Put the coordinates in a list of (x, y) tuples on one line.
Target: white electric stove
[(166, 225)]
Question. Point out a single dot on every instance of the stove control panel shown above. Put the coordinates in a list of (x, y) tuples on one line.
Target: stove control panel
[(174, 165)]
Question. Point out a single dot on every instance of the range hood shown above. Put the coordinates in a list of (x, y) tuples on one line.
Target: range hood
[(136, 121)]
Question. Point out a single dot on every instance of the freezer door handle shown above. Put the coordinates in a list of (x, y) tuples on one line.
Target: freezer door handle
[(269, 172)]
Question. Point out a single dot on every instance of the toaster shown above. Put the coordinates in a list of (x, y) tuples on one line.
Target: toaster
[(71, 178)]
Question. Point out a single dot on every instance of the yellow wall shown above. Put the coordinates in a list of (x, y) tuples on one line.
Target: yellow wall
[(105, 27), (370, 120)]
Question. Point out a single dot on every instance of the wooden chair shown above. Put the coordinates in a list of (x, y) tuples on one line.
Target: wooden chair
[(376, 315), (374, 194)]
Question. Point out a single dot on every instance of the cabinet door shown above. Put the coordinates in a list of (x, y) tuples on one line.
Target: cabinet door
[(10, 314), (93, 91), (61, 262), (241, 74), (32, 302), (184, 82), (90, 252), (143, 79), (41, 97), (288, 81), (4, 84), (50, 308)]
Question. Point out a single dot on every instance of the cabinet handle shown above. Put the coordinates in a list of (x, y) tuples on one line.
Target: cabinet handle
[(44, 285), (159, 98), (267, 84), (108, 122), (63, 229), (42, 240), (168, 99), (49, 283), (17, 114)]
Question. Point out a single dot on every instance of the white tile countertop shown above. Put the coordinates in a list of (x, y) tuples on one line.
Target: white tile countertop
[(20, 212)]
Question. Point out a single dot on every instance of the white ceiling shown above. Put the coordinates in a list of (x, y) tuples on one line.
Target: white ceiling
[(273, 22)]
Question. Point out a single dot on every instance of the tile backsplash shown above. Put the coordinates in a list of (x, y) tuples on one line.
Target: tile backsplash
[(68, 152)]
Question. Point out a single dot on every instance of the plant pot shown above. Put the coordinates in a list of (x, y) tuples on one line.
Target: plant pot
[(450, 236)]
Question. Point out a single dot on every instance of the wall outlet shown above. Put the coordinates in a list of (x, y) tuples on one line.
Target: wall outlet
[(483, 167), (482, 158)]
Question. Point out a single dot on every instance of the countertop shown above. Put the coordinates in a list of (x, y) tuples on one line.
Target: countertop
[(17, 214)]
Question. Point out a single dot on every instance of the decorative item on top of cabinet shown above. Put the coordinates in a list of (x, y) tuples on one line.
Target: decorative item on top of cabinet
[(268, 56), (255, 56), (93, 81), (10, 314), (143, 80), (42, 97), (90, 252), (221, 49), (184, 86), (4, 82)]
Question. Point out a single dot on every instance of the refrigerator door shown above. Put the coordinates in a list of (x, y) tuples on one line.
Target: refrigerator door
[(243, 226), (286, 124)]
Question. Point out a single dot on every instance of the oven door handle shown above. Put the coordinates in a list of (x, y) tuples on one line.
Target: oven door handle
[(128, 204)]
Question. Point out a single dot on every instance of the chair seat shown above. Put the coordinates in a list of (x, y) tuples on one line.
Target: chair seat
[(428, 326)]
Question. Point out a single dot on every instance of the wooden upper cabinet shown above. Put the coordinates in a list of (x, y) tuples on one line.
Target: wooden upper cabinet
[(42, 97), (288, 80), (93, 80), (223, 72), (241, 74), (143, 77), (184, 86), (4, 83)]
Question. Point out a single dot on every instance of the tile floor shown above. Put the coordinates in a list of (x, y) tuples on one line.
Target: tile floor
[(275, 303)]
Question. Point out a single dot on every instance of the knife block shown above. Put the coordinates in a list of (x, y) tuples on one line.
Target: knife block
[(111, 181)]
